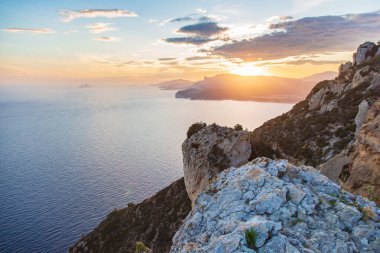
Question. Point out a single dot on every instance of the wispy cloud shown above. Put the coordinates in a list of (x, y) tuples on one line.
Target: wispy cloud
[(28, 30), (100, 27), (188, 40), (69, 15), (167, 59), (306, 36), (108, 39), (302, 5)]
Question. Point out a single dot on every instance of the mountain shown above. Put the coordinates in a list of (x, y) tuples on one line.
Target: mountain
[(177, 84), (318, 77), (236, 199), (253, 88)]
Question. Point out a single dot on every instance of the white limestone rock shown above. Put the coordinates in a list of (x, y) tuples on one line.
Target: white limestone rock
[(290, 209)]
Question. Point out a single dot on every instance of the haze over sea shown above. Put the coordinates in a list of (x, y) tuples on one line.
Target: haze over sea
[(69, 156)]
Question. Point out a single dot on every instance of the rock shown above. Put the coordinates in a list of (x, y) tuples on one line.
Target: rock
[(332, 220), (362, 53), (208, 152), (333, 167), (344, 67), (364, 172), (316, 99), (363, 108)]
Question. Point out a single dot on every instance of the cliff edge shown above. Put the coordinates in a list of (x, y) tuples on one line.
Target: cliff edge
[(274, 206)]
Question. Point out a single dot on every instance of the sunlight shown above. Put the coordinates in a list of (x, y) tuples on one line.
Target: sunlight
[(248, 69)]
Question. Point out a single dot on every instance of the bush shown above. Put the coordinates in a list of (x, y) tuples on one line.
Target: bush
[(250, 237), (194, 128), (238, 127), (141, 248)]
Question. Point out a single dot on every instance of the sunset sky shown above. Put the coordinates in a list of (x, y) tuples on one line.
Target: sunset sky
[(133, 42)]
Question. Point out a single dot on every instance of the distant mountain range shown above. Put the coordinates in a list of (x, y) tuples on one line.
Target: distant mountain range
[(177, 84), (252, 88), (318, 77)]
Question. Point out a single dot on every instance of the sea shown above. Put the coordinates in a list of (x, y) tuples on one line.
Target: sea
[(69, 155)]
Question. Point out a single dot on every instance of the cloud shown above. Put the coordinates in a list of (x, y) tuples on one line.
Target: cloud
[(69, 15), (28, 30), (203, 29), (198, 58), (299, 62), (100, 27), (302, 5), (188, 40), (279, 18), (306, 36), (202, 33), (106, 38), (167, 59)]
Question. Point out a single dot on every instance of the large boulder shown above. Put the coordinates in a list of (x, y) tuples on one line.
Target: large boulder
[(273, 206), (365, 52), (209, 151)]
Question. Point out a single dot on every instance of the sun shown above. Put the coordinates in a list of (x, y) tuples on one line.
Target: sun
[(248, 69)]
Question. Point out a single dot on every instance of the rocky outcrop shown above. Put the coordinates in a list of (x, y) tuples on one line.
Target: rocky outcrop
[(324, 124), (365, 52), (152, 223), (363, 174), (209, 151), (273, 206)]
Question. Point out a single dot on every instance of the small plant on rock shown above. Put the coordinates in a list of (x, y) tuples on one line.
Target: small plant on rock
[(238, 127), (141, 248), (194, 128), (250, 237)]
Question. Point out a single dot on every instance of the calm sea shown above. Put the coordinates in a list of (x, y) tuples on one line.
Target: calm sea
[(69, 156)]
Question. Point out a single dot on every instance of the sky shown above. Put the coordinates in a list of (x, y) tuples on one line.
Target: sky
[(142, 42)]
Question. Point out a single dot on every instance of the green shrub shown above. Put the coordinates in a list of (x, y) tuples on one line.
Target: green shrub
[(141, 248), (194, 128), (238, 127), (250, 237)]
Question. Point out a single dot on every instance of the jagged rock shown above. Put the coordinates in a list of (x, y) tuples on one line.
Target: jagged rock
[(323, 125), (344, 67), (209, 151), (363, 52), (303, 212), (364, 173)]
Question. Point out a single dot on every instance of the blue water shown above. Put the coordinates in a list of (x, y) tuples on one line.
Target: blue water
[(69, 156)]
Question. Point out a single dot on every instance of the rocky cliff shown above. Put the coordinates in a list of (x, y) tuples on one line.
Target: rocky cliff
[(152, 222), (209, 151), (325, 123), (266, 205), (274, 206)]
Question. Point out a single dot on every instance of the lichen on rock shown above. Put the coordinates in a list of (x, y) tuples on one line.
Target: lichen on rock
[(290, 209)]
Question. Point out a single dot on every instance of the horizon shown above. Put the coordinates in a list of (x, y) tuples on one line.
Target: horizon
[(131, 43)]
